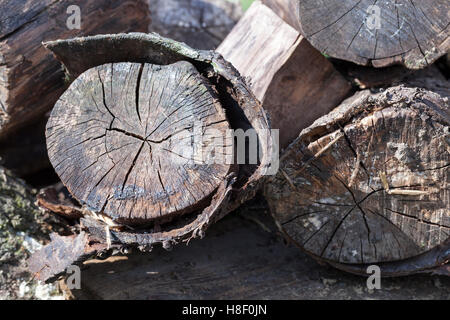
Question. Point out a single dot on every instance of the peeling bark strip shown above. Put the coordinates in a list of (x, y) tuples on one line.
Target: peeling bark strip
[(113, 137), (369, 182), (295, 83), (30, 79), (410, 32)]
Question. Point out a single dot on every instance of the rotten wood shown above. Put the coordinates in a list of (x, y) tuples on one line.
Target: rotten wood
[(295, 83), (378, 33), (63, 252), (368, 183), (30, 79)]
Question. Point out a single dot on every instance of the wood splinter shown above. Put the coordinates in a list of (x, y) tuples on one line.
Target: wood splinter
[(403, 192)]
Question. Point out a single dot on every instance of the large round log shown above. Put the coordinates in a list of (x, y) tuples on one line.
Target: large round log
[(378, 33), (120, 137), (369, 182)]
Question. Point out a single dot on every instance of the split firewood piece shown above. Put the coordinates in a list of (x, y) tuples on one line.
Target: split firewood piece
[(295, 83), (30, 79), (368, 183), (145, 138), (378, 33)]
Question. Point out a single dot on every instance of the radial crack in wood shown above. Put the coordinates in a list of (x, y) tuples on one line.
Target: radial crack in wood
[(369, 182), (123, 139), (127, 140), (380, 33)]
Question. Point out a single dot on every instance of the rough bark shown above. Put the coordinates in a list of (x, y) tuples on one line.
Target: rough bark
[(201, 24), (30, 79), (368, 183), (207, 82), (295, 83), (412, 33)]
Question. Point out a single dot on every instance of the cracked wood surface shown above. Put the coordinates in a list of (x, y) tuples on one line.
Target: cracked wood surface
[(121, 140), (242, 109), (31, 80), (413, 33), (369, 182)]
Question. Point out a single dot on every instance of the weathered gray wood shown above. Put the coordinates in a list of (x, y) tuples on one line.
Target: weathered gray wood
[(30, 79), (412, 33), (295, 83), (239, 260), (121, 139), (368, 183)]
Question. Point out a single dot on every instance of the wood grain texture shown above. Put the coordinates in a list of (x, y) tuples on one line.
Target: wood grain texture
[(413, 33), (239, 260), (369, 182), (121, 138), (286, 10), (242, 110), (295, 83), (30, 79)]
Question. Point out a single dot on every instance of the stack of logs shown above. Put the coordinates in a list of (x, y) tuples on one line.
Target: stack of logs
[(363, 174)]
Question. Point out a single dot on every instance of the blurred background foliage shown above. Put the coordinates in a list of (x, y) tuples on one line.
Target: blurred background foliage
[(245, 4)]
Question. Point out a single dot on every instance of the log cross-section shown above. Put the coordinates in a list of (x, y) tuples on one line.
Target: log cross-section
[(413, 33), (369, 182), (124, 139)]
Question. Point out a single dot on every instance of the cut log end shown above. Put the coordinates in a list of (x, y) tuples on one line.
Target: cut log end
[(142, 139), (412, 33), (369, 182), (121, 139)]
